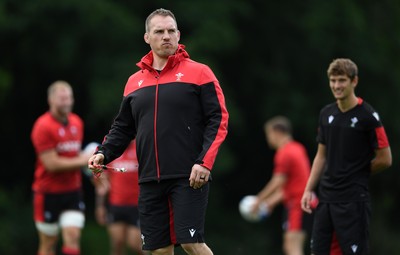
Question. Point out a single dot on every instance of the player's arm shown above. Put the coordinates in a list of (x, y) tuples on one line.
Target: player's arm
[(274, 199), (56, 163), (382, 160), (272, 193), (215, 117), (274, 185), (316, 172)]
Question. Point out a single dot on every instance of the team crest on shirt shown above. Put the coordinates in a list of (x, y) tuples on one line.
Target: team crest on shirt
[(354, 120), (376, 115), (179, 76), (73, 130), (330, 119), (140, 83), (61, 132)]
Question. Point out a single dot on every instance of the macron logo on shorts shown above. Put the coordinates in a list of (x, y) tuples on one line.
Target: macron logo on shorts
[(354, 248), (192, 231)]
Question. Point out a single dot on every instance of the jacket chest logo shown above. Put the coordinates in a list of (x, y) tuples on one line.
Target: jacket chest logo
[(140, 83), (179, 76)]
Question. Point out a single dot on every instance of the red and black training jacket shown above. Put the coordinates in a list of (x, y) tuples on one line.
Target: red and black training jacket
[(178, 117)]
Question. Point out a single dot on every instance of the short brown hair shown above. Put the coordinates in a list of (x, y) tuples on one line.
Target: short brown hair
[(161, 12), (343, 66), (279, 123)]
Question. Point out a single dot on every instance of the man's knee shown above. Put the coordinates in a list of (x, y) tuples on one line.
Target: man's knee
[(169, 250), (196, 249)]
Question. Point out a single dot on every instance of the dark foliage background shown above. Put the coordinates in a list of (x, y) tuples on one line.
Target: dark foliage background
[(270, 57)]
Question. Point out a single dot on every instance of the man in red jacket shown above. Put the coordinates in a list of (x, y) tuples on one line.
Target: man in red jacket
[(175, 108)]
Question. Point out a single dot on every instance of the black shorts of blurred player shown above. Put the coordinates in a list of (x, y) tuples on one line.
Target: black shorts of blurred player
[(123, 228), (64, 211)]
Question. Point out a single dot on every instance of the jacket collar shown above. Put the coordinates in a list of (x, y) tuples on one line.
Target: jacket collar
[(180, 54)]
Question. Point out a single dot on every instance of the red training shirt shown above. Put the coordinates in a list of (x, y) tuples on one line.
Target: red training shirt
[(292, 161), (124, 187), (47, 134)]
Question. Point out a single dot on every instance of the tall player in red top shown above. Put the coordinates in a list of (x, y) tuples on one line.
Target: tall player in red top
[(290, 174), (57, 137), (120, 212)]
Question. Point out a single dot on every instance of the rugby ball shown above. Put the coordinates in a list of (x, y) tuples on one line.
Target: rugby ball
[(90, 148), (246, 205)]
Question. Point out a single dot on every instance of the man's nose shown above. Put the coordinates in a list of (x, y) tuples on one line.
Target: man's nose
[(166, 35)]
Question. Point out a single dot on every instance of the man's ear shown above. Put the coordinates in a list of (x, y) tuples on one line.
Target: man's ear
[(146, 38)]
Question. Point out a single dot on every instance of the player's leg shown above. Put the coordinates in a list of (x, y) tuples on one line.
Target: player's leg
[(72, 220), (168, 250), (293, 242), (189, 211), (48, 237), (71, 223), (321, 237), (156, 222), (117, 232), (295, 223), (351, 222), (45, 217), (196, 249), (117, 219), (129, 215), (133, 239)]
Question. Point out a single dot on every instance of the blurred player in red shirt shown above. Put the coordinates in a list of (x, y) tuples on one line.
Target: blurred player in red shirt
[(57, 197), (116, 202), (290, 174)]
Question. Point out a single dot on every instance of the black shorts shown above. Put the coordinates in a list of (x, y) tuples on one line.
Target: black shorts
[(349, 221), (48, 207), (171, 212), (125, 214)]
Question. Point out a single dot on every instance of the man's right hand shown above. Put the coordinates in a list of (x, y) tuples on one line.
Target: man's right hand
[(306, 201), (95, 161)]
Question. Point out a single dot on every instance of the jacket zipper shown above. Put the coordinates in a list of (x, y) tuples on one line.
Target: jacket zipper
[(155, 129)]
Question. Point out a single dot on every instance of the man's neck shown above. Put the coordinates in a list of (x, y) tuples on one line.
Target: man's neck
[(348, 103), (59, 117), (284, 141), (159, 63)]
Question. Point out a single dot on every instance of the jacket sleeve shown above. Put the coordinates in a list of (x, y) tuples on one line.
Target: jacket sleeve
[(215, 118), (122, 132)]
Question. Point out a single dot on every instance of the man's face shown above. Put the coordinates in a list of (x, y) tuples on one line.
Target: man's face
[(62, 101), (270, 135), (163, 36), (341, 86)]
